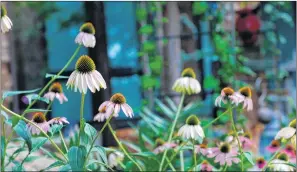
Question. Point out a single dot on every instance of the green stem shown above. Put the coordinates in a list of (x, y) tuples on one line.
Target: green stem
[(172, 129), (182, 163), (194, 155), (170, 165), (53, 79), (48, 107), (98, 134), (25, 158), (122, 147), (218, 117), (236, 135), (63, 141), (225, 167), (32, 123), (275, 154), (174, 155), (81, 116)]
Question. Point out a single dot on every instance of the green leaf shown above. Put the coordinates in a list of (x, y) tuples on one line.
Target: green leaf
[(247, 70), (149, 46), (48, 75), (55, 129), (144, 154), (37, 142), (3, 145), (146, 29), (51, 154), (77, 157), (66, 167), (210, 82), (14, 120), (164, 108), (3, 113), (13, 93), (21, 130), (102, 153), (36, 110), (199, 7), (92, 162), (31, 158), (132, 145), (34, 96), (148, 82), (141, 14), (90, 131), (53, 165), (249, 157)]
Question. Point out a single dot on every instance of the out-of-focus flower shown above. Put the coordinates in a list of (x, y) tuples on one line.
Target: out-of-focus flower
[(205, 166), (291, 152), (274, 146), (192, 129), (246, 141), (86, 35), (260, 164), (162, 146), (58, 120), (243, 95), (113, 107), (6, 23), (280, 163), (85, 76), (56, 91), (40, 120), (226, 94), (202, 149), (115, 158), (288, 133), (187, 83), (224, 154)]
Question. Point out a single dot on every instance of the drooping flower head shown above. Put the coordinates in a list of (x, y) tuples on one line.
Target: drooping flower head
[(187, 83), (6, 23), (86, 35), (201, 149), (113, 107), (40, 120), (246, 141), (281, 163), (260, 162), (244, 95), (58, 120), (205, 166), (290, 151), (192, 129), (56, 91), (274, 146), (288, 133), (114, 158), (224, 154), (162, 146), (85, 76), (225, 96)]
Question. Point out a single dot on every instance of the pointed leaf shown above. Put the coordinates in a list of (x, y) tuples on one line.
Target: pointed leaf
[(102, 153), (171, 104), (47, 75), (55, 129), (90, 131), (27, 99), (249, 157), (77, 157), (53, 165), (66, 168), (36, 110), (165, 109), (21, 130), (13, 93), (37, 143)]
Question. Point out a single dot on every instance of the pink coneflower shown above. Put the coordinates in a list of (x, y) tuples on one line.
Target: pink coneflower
[(260, 164), (244, 95), (246, 141), (274, 146), (202, 149), (162, 146), (56, 91), (224, 154), (40, 120), (58, 120), (113, 107), (291, 152), (227, 94), (205, 166)]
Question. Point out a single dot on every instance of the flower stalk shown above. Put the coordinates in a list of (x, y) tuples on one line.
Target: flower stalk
[(81, 117)]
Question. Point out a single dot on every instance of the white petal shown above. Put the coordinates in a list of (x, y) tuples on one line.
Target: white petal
[(286, 133), (90, 83)]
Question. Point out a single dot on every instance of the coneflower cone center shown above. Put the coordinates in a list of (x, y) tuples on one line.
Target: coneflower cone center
[(260, 161), (118, 98), (293, 123), (203, 146), (228, 91), (3, 11), (275, 143), (246, 92), (56, 88), (225, 148), (188, 72), (103, 110), (88, 28), (159, 142), (289, 148), (192, 120), (39, 117), (247, 135), (85, 64), (282, 156)]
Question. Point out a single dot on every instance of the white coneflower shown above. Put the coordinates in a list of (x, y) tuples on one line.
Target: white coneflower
[(40, 120), (288, 133), (6, 23), (58, 120), (192, 129), (86, 35), (115, 158), (244, 95), (281, 163), (85, 76), (187, 84), (113, 107), (56, 91), (227, 94)]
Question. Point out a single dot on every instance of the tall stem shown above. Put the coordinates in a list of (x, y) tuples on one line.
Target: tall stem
[(182, 163), (122, 147), (48, 107), (264, 168), (81, 116), (218, 117), (63, 141), (194, 155), (32, 123), (236, 135), (175, 153), (53, 79), (172, 128)]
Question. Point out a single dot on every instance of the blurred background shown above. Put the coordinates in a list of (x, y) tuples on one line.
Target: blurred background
[(142, 47)]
